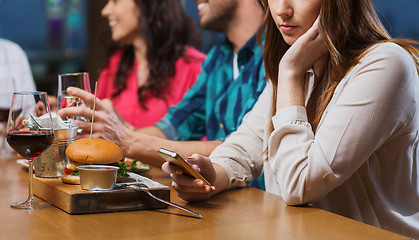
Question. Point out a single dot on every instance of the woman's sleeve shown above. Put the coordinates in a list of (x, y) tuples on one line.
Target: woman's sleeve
[(242, 153), (369, 106)]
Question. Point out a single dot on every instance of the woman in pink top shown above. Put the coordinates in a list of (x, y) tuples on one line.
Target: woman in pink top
[(151, 65)]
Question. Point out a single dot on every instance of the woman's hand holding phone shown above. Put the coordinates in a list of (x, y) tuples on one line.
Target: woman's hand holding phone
[(187, 187)]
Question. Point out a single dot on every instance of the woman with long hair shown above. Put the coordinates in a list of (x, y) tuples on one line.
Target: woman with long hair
[(337, 125), (152, 62)]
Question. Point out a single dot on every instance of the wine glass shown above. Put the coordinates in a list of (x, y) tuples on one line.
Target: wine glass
[(7, 87), (80, 80), (29, 133)]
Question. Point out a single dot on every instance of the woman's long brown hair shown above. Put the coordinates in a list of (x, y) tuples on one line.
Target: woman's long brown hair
[(167, 30), (349, 28)]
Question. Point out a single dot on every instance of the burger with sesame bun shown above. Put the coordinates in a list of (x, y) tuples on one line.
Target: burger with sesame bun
[(93, 151)]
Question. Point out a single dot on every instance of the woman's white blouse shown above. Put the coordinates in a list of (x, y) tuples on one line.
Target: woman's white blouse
[(361, 163)]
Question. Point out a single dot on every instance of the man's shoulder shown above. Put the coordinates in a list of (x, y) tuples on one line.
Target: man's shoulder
[(12, 50), (10, 45)]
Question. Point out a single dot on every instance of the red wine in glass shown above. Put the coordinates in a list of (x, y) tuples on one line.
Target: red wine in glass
[(30, 144), (27, 139)]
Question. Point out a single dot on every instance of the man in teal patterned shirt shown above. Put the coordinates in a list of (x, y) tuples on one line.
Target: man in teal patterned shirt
[(230, 83), (215, 105)]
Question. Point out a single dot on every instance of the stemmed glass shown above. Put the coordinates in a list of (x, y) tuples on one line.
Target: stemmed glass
[(29, 133)]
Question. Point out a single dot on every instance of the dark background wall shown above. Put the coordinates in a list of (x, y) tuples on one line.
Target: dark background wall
[(53, 34), (63, 36), (400, 17)]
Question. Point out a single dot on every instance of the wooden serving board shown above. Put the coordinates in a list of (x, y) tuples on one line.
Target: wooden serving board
[(73, 200)]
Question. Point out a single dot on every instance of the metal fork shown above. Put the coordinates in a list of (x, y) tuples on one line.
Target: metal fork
[(143, 187)]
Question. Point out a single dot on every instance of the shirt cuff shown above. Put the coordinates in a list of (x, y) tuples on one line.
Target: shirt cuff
[(234, 171), (293, 114)]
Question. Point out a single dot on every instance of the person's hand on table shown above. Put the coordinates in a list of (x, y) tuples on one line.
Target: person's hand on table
[(107, 123), (188, 188)]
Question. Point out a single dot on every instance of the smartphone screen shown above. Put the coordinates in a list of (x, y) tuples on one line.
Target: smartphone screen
[(174, 158)]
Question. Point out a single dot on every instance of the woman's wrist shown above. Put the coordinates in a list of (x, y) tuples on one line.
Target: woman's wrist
[(221, 179), (290, 89)]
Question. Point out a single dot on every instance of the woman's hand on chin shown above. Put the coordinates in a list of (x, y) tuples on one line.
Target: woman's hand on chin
[(304, 53), (298, 59)]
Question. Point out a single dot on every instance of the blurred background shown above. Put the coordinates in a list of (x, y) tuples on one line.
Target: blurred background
[(64, 36)]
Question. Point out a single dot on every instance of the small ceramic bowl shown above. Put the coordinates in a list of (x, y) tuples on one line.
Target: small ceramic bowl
[(97, 177)]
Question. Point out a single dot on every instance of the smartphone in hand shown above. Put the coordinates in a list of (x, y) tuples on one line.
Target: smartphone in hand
[(177, 160)]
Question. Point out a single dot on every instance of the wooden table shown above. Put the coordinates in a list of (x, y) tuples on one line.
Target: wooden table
[(238, 214)]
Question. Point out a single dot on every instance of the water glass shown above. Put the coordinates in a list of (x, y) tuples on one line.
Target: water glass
[(79, 80)]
